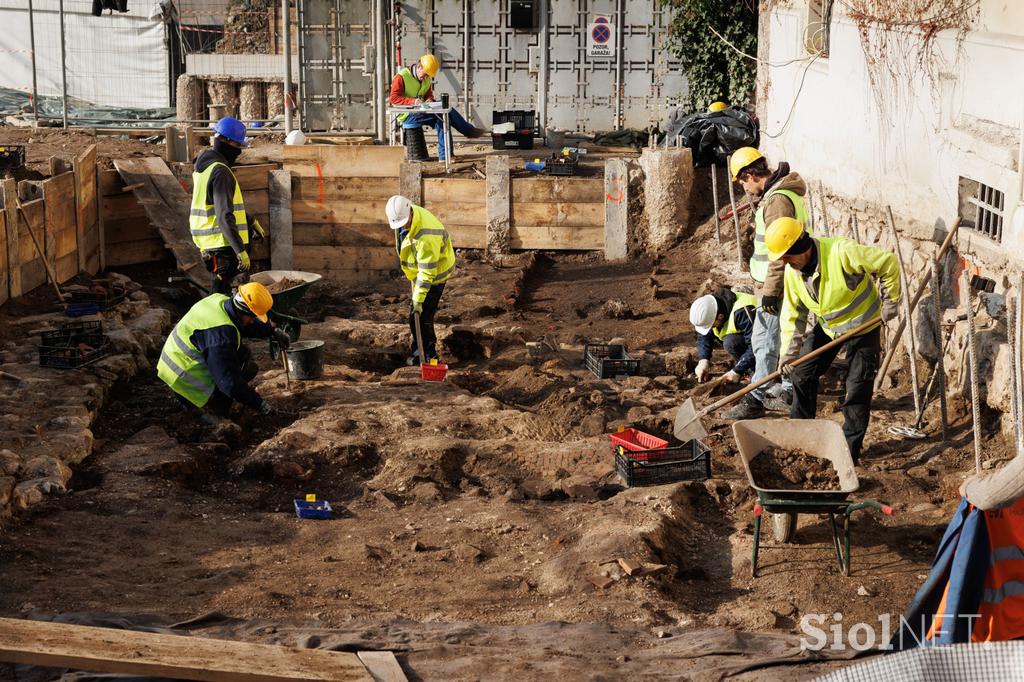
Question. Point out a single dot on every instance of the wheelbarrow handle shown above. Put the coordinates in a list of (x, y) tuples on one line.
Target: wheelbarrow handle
[(869, 504), (839, 340)]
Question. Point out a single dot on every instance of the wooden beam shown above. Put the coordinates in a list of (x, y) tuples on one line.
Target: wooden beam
[(383, 666), (87, 210), (569, 215), (454, 191), (574, 190), (345, 212), (10, 204), (325, 160), (255, 176), (318, 258), (346, 189), (556, 237), (279, 223), (58, 645)]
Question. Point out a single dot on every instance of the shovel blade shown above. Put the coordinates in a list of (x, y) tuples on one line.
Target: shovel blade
[(688, 425)]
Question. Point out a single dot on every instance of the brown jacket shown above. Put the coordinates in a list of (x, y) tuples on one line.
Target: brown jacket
[(779, 206)]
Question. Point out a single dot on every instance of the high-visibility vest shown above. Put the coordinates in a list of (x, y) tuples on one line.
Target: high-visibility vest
[(426, 253), (413, 88), (729, 327), (181, 365), (202, 219), (1001, 612), (847, 295), (759, 259)]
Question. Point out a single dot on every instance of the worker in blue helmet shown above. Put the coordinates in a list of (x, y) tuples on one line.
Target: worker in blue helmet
[(218, 221)]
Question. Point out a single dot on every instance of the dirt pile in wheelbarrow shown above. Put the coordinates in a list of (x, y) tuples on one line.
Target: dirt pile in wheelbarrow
[(779, 469), (284, 284)]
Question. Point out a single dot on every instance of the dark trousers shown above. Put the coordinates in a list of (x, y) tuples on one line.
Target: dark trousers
[(862, 353), (220, 403), (735, 345), (430, 305), (223, 267)]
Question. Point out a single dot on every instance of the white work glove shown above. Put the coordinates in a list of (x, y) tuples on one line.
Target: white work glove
[(702, 371), (732, 377)]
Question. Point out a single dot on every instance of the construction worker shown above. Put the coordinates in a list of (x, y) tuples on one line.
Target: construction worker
[(832, 277), (727, 315), (414, 85), (781, 195), (217, 221), (204, 360), (428, 261)]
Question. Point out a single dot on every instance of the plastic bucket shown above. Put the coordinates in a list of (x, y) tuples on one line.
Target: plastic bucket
[(433, 372), (306, 359)]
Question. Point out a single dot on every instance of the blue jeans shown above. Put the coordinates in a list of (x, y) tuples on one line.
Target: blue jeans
[(766, 339), (420, 119)]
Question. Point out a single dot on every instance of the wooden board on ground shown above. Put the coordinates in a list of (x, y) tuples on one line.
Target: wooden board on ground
[(167, 206), (58, 645), (335, 161), (383, 666)]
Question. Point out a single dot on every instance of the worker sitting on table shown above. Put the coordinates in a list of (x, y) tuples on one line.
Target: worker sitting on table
[(728, 316), (413, 85)]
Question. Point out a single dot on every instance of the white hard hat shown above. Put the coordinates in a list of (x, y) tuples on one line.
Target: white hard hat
[(703, 312), (398, 211), (295, 137)]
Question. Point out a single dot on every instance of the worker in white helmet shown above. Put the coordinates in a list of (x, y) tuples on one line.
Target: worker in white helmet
[(727, 316), (428, 261)]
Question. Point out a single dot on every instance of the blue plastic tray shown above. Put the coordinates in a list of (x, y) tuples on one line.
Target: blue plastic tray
[(321, 509)]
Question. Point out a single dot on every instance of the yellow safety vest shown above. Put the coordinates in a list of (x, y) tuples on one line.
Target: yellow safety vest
[(742, 301), (202, 219), (426, 253), (413, 87), (846, 293), (759, 259), (181, 365)]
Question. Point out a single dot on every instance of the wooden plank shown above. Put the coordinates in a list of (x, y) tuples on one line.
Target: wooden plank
[(254, 176), (467, 236), (318, 258), (67, 266), (109, 182), (334, 234), (120, 206), (383, 666), (561, 214), (59, 193), (58, 645), (345, 189), (343, 161), (86, 203), (136, 252), (279, 221), (548, 190), (67, 242), (453, 191), (344, 212), (32, 214), (168, 207), (462, 214), (13, 250), (256, 202), (5, 291), (557, 238), (124, 230)]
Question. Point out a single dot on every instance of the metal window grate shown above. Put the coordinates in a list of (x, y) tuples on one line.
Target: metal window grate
[(988, 213)]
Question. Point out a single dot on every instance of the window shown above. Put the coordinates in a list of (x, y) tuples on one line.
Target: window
[(819, 20), (981, 208)]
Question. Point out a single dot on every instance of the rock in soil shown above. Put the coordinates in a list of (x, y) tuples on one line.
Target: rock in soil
[(779, 469)]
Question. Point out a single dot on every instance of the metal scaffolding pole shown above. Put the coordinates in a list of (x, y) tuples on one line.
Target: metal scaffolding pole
[(32, 45), (63, 69), (287, 30)]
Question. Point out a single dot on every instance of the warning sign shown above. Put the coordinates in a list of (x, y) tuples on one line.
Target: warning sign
[(601, 38)]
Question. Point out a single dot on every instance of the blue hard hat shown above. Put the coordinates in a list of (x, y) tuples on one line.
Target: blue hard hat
[(231, 128)]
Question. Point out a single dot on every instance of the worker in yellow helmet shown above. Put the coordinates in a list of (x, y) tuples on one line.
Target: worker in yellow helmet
[(834, 279), (781, 193), (412, 86), (204, 360)]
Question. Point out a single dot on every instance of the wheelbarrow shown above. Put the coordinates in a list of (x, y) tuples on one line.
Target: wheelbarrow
[(286, 299), (817, 437)]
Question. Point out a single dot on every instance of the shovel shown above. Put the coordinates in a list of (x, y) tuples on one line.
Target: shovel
[(688, 425)]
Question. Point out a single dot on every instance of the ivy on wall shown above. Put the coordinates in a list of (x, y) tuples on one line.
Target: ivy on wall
[(714, 70)]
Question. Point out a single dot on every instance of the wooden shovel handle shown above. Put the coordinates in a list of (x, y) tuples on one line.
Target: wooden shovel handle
[(733, 397)]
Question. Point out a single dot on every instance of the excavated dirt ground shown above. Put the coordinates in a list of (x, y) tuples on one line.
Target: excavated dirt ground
[(474, 513)]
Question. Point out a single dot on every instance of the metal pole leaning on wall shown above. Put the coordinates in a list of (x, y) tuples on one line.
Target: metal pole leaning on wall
[(286, 28), (735, 215), (908, 313), (466, 54), (1011, 338), (1018, 368), (542, 75), (714, 199), (972, 359), (940, 363), (63, 69), (32, 46)]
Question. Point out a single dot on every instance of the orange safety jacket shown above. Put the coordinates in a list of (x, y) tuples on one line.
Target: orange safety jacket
[(1001, 612)]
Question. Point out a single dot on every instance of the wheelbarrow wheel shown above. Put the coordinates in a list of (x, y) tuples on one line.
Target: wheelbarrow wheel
[(784, 527)]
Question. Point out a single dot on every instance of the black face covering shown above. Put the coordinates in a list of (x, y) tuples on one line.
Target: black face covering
[(229, 152)]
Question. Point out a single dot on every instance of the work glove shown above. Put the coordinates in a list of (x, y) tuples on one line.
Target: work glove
[(417, 307), (731, 377), (243, 261), (702, 371), (282, 339), (266, 409), (258, 233), (770, 304), (890, 310)]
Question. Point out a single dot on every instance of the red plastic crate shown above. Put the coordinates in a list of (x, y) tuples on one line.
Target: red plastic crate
[(632, 440)]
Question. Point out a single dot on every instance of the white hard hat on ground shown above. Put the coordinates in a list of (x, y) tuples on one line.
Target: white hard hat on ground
[(295, 137), (398, 211), (703, 312)]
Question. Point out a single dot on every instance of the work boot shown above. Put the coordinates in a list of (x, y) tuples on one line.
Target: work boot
[(778, 402), (476, 132), (415, 144), (749, 408)]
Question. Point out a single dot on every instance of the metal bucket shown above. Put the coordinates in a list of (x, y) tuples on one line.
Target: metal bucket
[(306, 359)]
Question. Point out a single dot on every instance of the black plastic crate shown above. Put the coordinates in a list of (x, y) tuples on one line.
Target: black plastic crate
[(688, 462), (12, 156), (607, 360), (91, 302), (63, 348), (522, 137), (90, 332), (563, 164)]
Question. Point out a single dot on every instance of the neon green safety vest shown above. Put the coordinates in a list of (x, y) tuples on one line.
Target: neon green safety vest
[(742, 301), (847, 296), (426, 253), (202, 219), (759, 259), (181, 365), (413, 87)]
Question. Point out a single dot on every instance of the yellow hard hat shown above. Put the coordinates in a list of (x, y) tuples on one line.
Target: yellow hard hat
[(741, 158), (781, 235), (256, 298), (430, 64), (717, 106)]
